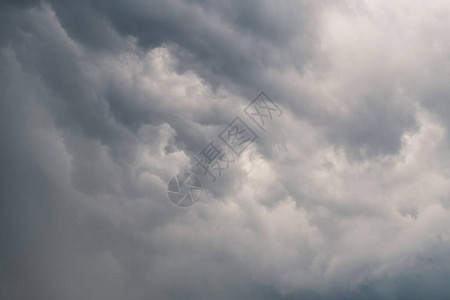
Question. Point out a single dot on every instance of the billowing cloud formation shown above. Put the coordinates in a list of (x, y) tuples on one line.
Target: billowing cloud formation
[(346, 195)]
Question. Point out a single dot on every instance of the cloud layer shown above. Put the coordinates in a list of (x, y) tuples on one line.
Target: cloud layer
[(345, 196)]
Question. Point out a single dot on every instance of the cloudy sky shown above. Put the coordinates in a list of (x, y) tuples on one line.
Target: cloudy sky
[(346, 195)]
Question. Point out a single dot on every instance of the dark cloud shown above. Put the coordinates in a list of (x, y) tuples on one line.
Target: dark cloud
[(345, 196)]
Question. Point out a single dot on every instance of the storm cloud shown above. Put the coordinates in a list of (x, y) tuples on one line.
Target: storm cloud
[(345, 195)]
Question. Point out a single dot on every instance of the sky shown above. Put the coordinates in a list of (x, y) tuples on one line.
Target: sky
[(344, 194)]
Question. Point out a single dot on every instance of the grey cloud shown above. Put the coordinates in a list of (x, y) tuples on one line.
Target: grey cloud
[(218, 38), (103, 102)]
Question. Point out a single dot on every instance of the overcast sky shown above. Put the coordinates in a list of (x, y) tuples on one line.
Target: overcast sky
[(346, 195)]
